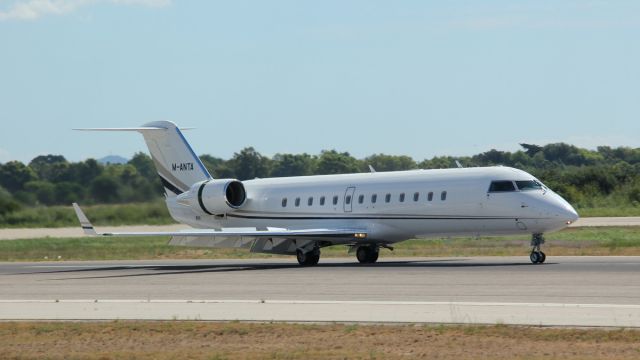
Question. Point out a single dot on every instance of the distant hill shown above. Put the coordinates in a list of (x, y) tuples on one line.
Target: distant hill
[(113, 159)]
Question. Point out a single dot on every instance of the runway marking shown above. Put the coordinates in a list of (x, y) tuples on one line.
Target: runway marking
[(320, 302), (410, 312)]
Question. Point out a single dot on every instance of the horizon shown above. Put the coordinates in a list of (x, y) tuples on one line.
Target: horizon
[(102, 159)]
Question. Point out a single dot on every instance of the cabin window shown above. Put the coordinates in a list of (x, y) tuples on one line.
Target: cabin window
[(443, 196), (347, 199), (321, 200), (387, 198), (416, 196), (374, 198), (430, 196), (401, 198), (335, 200), (502, 186), (284, 202), (310, 201), (360, 199), (297, 202), (528, 185)]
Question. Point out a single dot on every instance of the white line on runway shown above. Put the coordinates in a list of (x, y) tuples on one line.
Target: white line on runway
[(538, 314), (326, 302)]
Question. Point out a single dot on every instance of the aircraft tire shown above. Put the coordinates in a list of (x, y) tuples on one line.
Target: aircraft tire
[(537, 257), (533, 257), (374, 256), (367, 254), (308, 259)]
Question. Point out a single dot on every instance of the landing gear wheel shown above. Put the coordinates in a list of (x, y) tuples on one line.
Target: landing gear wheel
[(374, 256), (367, 254), (534, 257), (543, 257), (537, 256), (308, 259)]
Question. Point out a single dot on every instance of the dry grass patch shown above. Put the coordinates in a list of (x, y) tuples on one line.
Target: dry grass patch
[(207, 340)]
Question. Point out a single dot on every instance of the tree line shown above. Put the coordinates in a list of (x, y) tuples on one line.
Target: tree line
[(587, 178)]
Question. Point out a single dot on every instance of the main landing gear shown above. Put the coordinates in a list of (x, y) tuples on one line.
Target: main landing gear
[(308, 258), (367, 254), (537, 256)]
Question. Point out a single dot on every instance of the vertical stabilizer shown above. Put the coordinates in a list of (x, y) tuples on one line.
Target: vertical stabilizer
[(177, 165)]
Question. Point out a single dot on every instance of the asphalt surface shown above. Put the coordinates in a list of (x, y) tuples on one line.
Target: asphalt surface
[(576, 291), (512, 279)]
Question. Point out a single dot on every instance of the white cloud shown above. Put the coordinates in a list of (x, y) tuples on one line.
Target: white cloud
[(35, 9)]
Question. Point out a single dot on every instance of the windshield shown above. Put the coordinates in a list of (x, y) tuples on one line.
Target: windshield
[(528, 185), (501, 186)]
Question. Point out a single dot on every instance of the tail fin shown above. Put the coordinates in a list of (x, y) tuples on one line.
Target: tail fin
[(176, 163)]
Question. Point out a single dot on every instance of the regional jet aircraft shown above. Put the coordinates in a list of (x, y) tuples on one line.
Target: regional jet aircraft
[(368, 211)]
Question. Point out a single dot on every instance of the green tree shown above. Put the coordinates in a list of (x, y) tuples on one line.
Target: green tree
[(440, 162), (218, 168), (143, 165), (293, 165), (531, 149), (14, 175), (84, 172), (382, 162), (104, 189), (68, 192), (7, 203), (44, 191), (250, 164), (333, 162), (43, 166)]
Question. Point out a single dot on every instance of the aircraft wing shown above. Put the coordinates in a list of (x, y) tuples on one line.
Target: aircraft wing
[(307, 234)]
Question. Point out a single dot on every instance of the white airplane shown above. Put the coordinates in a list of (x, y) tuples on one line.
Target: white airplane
[(367, 211)]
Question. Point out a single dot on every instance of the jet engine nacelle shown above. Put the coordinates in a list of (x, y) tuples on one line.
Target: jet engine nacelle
[(214, 197)]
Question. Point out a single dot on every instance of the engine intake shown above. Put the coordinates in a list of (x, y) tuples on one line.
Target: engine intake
[(215, 197)]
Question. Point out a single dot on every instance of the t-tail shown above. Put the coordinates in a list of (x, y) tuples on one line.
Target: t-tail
[(176, 163)]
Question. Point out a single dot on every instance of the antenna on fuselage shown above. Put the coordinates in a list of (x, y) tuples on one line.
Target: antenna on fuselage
[(371, 169), (458, 164)]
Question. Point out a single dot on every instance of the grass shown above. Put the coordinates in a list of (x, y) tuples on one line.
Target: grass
[(234, 340), (571, 241), (153, 213), (603, 211)]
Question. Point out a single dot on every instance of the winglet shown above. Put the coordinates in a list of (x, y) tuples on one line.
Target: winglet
[(84, 221)]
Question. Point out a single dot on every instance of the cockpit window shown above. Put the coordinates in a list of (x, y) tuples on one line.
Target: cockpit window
[(528, 185), (501, 186)]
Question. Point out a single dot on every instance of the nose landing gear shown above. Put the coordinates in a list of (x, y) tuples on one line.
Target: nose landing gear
[(537, 256)]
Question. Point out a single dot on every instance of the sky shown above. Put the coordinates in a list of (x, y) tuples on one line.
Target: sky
[(418, 78)]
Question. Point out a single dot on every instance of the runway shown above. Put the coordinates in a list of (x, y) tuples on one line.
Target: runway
[(566, 291)]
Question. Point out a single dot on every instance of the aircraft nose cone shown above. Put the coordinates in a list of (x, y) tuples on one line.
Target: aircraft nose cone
[(570, 214), (565, 211)]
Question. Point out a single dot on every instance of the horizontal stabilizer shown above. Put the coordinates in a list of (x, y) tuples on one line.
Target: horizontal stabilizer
[(145, 128)]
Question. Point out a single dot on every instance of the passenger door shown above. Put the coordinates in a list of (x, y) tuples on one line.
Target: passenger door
[(348, 199)]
